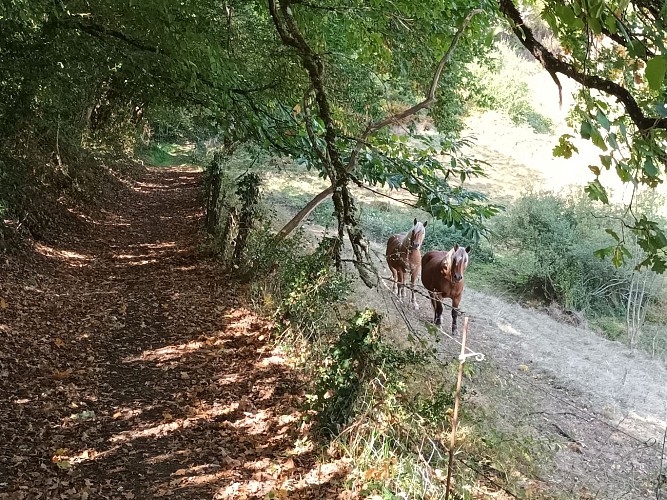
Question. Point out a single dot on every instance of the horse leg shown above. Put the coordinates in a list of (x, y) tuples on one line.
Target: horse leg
[(436, 302), (413, 278), (455, 313), (394, 280), (400, 282)]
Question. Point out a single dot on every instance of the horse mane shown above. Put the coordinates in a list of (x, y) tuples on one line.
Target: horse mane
[(405, 242), (446, 263), (449, 257)]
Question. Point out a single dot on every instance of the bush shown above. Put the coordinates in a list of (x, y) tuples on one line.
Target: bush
[(500, 83), (346, 365), (301, 291), (548, 246)]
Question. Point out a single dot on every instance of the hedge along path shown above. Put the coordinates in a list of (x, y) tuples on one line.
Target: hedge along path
[(130, 366)]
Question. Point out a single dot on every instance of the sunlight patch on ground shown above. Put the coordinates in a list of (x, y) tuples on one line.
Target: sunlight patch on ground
[(166, 353), (271, 360), (157, 246), (635, 423), (231, 378), (127, 413), (198, 475), (185, 268), (142, 262), (507, 327), (156, 431), (71, 258), (256, 423), (80, 215), (306, 183), (277, 480), (65, 458)]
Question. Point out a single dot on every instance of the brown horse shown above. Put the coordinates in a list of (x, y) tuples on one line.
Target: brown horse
[(442, 275), (403, 256)]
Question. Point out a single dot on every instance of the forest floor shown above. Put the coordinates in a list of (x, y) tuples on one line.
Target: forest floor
[(131, 368)]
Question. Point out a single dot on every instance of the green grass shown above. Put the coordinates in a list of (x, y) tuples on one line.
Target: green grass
[(166, 154)]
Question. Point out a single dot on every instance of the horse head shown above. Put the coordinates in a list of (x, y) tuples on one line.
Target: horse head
[(459, 262), (417, 234)]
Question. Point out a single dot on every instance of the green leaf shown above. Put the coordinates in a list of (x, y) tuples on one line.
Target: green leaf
[(594, 25), (659, 265), (655, 72), (586, 130), (606, 162), (610, 23), (613, 234), (566, 14), (596, 191), (602, 120), (565, 148), (602, 253), (636, 49), (618, 257), (578, 24), (650, 167), (623, 171)]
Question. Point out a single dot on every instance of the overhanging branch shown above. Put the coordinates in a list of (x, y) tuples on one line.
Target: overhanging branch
[(554, 65), (427, 102)]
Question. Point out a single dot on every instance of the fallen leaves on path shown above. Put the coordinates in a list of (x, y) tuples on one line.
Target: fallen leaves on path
[(130, 368)]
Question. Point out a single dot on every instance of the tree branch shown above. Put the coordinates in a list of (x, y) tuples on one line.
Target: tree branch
[(553, 65), (303, 213), (309, 127), (98, 31), (373, 127), (430, 97)]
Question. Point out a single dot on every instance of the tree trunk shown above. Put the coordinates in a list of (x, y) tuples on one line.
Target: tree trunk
[(303, 213)]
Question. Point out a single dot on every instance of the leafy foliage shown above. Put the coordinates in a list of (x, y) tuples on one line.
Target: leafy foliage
[(501, 82), (616, 50), (550, 248), (346, 366)]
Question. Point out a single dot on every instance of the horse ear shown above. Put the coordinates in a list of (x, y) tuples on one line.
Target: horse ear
[(468, 249), (456, 246), (425, 223), (414, 222)]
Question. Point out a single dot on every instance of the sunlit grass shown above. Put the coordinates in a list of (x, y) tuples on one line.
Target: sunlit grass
[(167, 155)]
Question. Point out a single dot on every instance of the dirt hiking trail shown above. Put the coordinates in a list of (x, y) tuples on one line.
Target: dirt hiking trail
[(131, 369)]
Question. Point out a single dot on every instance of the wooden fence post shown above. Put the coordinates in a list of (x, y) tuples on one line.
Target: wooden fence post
[(455, 418)]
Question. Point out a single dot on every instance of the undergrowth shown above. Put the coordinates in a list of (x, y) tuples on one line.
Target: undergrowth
[(368, 401), (501, 82)]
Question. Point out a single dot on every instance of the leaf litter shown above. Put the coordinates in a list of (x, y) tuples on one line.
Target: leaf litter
[(139, 372)]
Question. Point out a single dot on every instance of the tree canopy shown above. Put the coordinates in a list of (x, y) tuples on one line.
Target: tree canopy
[(327, 82)]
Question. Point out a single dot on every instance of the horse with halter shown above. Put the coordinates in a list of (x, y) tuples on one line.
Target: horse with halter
[(442, 275), (403, 257)]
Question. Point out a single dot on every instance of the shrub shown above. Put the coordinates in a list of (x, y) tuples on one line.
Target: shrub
[(501, 83), (346, 365), (548, 246), (302, 291)]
